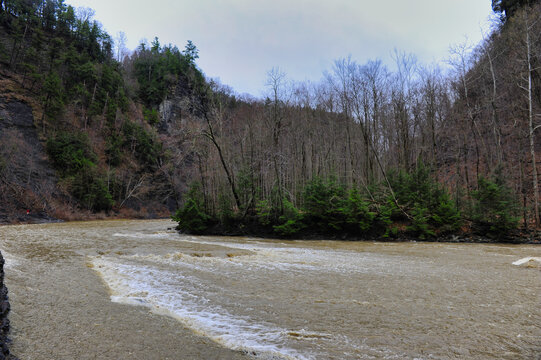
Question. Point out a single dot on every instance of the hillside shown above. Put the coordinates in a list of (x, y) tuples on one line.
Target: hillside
[(87, 131), (81, 133), (348, 157)]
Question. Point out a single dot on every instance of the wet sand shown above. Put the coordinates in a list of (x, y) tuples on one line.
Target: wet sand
[(63, 311)]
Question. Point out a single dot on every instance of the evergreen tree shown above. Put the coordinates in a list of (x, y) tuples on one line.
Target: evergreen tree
[(191, 53), (495, 208), (425, 202), (192, 217)]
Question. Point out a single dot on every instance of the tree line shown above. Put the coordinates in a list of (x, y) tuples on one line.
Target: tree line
[(364, 128)]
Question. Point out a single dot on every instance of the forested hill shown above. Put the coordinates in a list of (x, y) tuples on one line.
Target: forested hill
[(79, 121), (89, 128), (368, 151)]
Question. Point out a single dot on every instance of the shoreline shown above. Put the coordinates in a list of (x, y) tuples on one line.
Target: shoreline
[(42, 218), (518, 236)]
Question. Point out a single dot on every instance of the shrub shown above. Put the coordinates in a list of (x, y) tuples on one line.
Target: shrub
[(263, 212), (446, 216), (151, 116), (225, 212), (427, 202), (384, 215), (144, 144), (70, 153), (329, 209), (358, 216), (495, 209), (323, 205), (192, 217), (419, 223), (72, 157), (291, 221), (90, 189)]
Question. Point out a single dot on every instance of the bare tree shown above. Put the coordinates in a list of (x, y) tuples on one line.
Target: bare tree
[(526, 24), (276, 79), (85, 14), (217, 111), (485, 46), (121, 50), (401, 101)]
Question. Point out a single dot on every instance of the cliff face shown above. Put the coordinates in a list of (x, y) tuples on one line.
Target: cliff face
[(83, 134), (174, 108), (141, 186), (180, 105), (27, 181)]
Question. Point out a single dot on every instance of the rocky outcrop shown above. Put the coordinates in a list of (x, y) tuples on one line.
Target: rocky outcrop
[(179, 103), (27, 181), (4, 311), (171, 110)]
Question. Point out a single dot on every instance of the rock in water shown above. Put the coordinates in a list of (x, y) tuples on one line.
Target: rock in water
[(530, 262), (4, 311)]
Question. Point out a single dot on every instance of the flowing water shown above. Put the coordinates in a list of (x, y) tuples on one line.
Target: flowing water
[(303, 299)]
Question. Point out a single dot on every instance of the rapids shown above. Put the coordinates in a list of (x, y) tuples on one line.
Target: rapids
[(275, 299)]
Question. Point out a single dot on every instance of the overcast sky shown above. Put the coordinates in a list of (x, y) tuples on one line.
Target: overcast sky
[(239, 41)]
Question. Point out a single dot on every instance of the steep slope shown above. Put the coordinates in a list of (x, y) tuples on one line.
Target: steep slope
[(494, 126), (79, 129), (27, 180)]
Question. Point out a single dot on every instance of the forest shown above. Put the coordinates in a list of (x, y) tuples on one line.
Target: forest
[(412, 150), (372, 151), (95, 108)]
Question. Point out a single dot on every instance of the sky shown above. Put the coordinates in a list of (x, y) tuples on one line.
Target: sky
[(239, 41)]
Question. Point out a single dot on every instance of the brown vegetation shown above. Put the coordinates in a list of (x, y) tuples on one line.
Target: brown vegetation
[(362, 121)]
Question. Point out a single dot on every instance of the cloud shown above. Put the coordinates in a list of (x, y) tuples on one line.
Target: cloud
[(239, 40)]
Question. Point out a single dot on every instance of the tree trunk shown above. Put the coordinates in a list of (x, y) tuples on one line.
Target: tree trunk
[(531, 132), (210, 135)]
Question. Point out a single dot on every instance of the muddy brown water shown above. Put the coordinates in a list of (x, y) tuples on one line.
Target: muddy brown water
[(139, 290)]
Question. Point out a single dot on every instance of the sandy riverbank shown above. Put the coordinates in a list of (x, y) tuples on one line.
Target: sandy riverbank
[(61, 310)]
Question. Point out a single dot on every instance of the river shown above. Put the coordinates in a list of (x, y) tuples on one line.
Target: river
[(140, 290)]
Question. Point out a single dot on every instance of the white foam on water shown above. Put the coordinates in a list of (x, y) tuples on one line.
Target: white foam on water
[(281, 257), (271, 259), (137, 235), (261, 260), (179, 296), (11, 261), (528, 260), (274, 257)]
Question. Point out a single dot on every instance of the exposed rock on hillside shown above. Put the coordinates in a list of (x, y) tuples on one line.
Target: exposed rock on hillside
[(27, 180), (177, 106)]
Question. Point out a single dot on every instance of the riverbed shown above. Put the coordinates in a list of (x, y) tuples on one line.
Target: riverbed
[(139, 290)]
